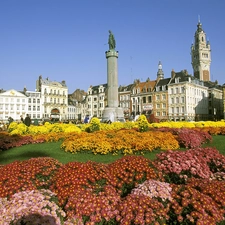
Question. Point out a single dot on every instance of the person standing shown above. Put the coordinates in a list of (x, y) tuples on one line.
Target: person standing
[(10, 119), (21, 118), (27, 120)]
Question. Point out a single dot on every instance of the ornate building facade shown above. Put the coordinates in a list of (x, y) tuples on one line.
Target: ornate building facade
[(54, 96)]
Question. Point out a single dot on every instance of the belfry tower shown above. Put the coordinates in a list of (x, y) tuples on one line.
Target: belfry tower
[(201, 55)]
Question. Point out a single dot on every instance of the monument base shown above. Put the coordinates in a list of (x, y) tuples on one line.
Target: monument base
[(113, 114)]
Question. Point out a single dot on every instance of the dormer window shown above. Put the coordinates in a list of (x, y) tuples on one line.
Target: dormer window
[(177, 79)]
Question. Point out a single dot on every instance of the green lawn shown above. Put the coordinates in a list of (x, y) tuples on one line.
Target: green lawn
[(53, 150)]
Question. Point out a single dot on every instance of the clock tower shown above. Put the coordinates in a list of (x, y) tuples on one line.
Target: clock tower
[(201, 55)]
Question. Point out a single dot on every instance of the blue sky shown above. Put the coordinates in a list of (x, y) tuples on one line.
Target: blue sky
[(67, 39)]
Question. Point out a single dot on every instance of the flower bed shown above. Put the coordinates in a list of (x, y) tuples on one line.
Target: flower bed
[(176, 188), (125, 141)]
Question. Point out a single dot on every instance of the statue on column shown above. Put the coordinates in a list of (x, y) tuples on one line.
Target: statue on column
[(111, 41)]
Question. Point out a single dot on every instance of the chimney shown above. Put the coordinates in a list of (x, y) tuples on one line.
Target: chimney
[(173, 73)]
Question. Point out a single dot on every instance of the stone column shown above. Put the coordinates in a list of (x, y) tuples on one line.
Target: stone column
[(112, 78), (112, 112)]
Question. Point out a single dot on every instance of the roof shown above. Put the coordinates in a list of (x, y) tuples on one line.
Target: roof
[(53, 83), (96, 88)]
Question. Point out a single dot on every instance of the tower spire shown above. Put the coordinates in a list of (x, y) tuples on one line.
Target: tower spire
[(160, 74), (201, 54)]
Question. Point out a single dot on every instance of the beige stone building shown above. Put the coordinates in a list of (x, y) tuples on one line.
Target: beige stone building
[(95, 100), (54, 98)]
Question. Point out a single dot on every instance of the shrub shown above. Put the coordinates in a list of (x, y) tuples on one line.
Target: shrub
[(142, 123), (94, 124)]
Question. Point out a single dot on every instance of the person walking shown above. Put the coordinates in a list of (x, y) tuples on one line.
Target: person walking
[(27, 120)]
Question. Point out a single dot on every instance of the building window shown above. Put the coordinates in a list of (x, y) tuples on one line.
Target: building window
[(182, 109), (149, 99), (177, 109), (182, 99), (29, 100), (158, 114), (157, 97), (157, 106), (177, 99), (144, 99)]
